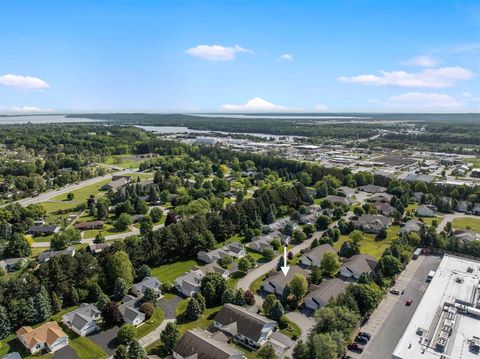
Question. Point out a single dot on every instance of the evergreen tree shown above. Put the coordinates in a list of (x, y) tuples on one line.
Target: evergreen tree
[(31, 315), (56, 302), (135, 351), (228, 296), (277, 311), (5, 328), (201, 300), (170, 336), (102, 301), (193, 310), (150, 296), (240, 297), (42, 305), (121, 352), (120, 289), (143, 271)]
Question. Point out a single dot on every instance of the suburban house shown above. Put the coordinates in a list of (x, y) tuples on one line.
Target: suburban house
[(48, 336), (277, 225), (465, 235), (384, 208), (11, 264), (260, 243), (319, 295), (281, 344), (130, 312), (43, 230), (198, 343), (234, 249), (371, 188), (138, 289), (314, 256), (346, 191), (114, 185), (96, 248), (357, 265), (339, 200), (83, 320), (476, 209), (277, 282), (463, 206), (89, 225), (372, 223), (190, 282), (413, 225), (380, 197), (47, 255), (243, 325), (418, 196), (426, 211)]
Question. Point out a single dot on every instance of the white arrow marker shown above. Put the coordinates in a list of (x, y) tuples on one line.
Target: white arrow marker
[(285, 268)]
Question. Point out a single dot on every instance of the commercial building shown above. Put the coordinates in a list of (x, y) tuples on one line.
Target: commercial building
[(446, 324)]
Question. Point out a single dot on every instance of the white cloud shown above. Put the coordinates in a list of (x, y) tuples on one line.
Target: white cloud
[(257, 104), (25, 82), (30, 109), (286, 57), (429, 78), (421, 60), (320, 108), (425, 100), (216, 52)]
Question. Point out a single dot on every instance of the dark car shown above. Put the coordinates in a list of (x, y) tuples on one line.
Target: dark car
[(409, 302), (361, 340), (395, 291), (365, 334), (355, 347)]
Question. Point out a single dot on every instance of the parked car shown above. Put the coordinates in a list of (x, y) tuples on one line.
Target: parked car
[(395, 291), (355, 347), (409, 302), (361, 340), (365, 334)]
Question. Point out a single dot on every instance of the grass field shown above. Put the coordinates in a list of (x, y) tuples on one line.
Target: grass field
[(465, 222), (255, 286), (475, 161), (83, 346), (82, 194), (369, 245), (151, 324), (292, 330), (124, 161), (170, 272)]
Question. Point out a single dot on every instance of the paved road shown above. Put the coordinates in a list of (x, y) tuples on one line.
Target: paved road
[(391, 318), (43, 197)]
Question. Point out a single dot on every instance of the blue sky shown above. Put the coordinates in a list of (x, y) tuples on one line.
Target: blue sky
[(201, 56)]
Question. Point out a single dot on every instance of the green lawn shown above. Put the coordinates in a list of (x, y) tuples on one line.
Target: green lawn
[(82, 194), (292, 330), (369, 245), (465, 222), (429, 220), (151, 324), (170, 272), (83, 346), (255, 286), (124, 161)]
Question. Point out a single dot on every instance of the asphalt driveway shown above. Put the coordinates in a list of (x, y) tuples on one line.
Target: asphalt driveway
[(169, 306), (105, 340), (65, 353)]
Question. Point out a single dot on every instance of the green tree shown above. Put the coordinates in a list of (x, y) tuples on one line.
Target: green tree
[(336, 318), (367, 296), (266, 352), (244, 265), (330, 264), (135, 351), (146, 225), (56, 303), (5, 328), (170, 336), (42, 304), (126, 333), (147, 308), (193, 310), (111, 315), (390, 265), (119, 266), (143, 271), (70, 196), (17, 247), (120, 289), (316, 275), (268, 304), (201, 300), (228, 296), (150, 296), (123, 221), (268, 253), (102, 301), (156, 214), (323, 222), (121, 352), (99, 238), (298, 286), (277, 311), (239, 297), (322, 346)]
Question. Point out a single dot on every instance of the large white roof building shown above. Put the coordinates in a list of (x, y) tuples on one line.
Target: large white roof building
[(446, 324)]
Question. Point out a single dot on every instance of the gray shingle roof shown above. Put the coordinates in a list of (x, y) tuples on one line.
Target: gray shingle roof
[(200, 344)]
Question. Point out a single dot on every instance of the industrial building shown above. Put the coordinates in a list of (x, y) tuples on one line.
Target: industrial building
[(446, 324)]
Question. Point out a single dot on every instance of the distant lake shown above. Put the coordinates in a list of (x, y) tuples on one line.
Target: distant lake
[(37, 119)]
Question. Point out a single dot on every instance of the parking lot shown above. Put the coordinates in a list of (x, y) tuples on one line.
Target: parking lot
[(392, 316)]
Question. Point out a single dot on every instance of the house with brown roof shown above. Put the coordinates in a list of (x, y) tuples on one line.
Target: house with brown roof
[(319, 295), (244, 326), (372, 223), (357, 265), (314, 256), (89, 225), (48, 336), (200, 344)]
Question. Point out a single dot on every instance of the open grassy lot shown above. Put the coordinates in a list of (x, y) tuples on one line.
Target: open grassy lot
[(124, 161), (429, 220), (465, 222), (82, 194), (369, 245), (292, 330), (170, 272), (151, 324)]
